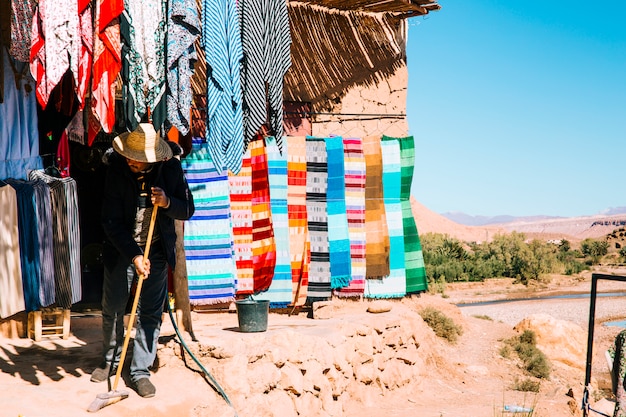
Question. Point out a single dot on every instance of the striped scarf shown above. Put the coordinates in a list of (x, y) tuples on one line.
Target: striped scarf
[(279, 293), (266, 41), (355, 209), (263, 243), (416, 280), (395, 284), (208, 236), (377, 235), (241, 216), (221, 40), (299, 239), (338, 236), (317, 217), (46, 243)]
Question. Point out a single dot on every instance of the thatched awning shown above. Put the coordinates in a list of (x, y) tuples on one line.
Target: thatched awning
[(401, 8)]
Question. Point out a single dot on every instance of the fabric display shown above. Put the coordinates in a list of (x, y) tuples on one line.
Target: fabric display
[(263, 242), (299, 238), (241, 217), (208, 235), (394, 285), (355, 211), (317, 219), (12, 300), (279, 292)]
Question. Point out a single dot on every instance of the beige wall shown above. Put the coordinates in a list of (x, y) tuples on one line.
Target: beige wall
[(388, 97)]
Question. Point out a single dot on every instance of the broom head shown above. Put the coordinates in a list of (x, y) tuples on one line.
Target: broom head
[(108, 398)]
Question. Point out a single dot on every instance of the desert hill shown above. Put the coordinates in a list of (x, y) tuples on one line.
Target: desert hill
[(573, 229)]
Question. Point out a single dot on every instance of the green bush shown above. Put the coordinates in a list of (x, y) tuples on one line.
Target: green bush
[(535, 361), (442, 325), (527, 385)]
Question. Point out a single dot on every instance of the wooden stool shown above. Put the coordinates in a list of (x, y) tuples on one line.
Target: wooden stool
[(49, 323)]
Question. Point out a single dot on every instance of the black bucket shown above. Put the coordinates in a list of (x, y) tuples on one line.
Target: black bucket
[(252, 315)]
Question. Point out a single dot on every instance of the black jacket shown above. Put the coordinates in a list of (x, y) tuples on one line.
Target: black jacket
[(120, 205)]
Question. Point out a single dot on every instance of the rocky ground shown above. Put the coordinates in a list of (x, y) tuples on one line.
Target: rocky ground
[(344, 362)]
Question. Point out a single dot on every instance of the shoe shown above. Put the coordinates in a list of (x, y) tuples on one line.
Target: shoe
[(145, 388), (101, 374)]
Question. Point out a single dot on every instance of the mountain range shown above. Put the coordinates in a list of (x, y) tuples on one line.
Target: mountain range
[(469, 220)]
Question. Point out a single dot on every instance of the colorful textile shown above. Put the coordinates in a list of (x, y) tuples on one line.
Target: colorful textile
[(416, 280), (618, 373), (394, 285), (241, 217), (183, 28), (12, 300), (107, 63), (317, 218), (279, 292), (55, 45), (263, 243), (299, 242), (85, 53), (377, 235), (338, 236), (221, 41), (143, 30), (208, 236), (66, 238), (266, 41), (19, 133), (355, 210), (29, 242)]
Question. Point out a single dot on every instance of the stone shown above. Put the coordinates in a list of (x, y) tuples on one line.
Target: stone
[(379, 306)]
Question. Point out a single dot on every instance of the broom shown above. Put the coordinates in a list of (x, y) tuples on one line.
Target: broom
[(115, 395)]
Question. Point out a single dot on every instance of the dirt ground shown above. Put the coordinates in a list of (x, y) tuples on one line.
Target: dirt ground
[(468, 378)]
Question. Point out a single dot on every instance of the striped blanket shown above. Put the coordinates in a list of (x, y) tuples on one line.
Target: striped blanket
[(338, 237), (299, 242), (279, 292), (377, 235), (263, 243), (416, 280), (355, 210), (395, 284), (317, 217), (241, 215), (208, 236)]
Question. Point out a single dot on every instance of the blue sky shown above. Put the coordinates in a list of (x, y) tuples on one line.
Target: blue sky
[(519, 108)]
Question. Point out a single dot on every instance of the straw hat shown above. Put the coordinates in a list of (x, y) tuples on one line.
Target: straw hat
[(142, 144)]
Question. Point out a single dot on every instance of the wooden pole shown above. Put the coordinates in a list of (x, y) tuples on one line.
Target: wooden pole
[(181, 287)]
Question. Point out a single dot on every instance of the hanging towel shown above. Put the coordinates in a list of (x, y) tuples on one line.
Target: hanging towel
[(19, 133), (377, 235), (29, 242), (12, 300), (338, 237), (263, 242), (279, 292), (416, 280), (221, 41), (317, 219), (266, 41), (183, 29), (45, 232), (241, 215), (107, 63), (355, 210), (66, 238), (143, 29), (394, 285), (208, 236), (299, 241)]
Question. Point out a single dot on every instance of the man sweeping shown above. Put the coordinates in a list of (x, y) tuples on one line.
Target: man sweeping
[(142, 177)]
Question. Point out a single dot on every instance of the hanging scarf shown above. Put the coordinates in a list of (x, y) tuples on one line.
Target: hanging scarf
[(143, 29), (107, 63), (279, 292), (85, 52), (183, 28), (208, 236), (299, 239), (263, 242), (221, 39), (21, 26), (355, 210)]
